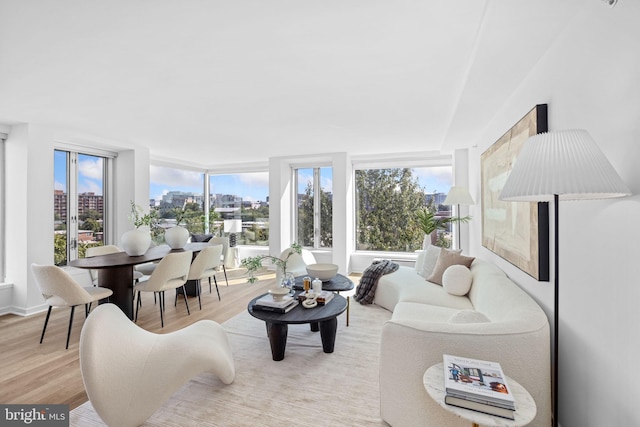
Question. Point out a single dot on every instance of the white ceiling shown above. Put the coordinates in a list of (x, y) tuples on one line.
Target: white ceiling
[(212, 82)]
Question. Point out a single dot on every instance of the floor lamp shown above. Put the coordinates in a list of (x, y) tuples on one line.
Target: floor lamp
[(458, 196), (563, 165)]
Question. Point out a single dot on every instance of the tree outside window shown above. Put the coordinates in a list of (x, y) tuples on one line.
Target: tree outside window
[(387, 203)]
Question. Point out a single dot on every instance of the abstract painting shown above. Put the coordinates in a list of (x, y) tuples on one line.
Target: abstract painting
[(516, 231)]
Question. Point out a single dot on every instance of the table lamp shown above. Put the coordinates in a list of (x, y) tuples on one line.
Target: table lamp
[(232, 226), (562, 165)]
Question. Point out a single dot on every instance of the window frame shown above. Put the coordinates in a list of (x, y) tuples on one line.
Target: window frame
[(72, 152), (317, 186), (430, 159)]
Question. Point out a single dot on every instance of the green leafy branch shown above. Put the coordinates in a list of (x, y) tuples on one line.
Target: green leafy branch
[(254, 263), (429, 222), (139, 218)]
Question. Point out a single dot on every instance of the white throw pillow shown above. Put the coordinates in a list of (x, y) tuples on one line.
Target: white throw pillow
[(431, 254), (420, 261), (457, 279), (468, 316)]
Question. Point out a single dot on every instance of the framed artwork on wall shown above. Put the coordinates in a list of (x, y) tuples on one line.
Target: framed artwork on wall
[(516, 231)]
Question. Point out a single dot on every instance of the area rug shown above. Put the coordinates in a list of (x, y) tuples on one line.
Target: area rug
[(307, 388)]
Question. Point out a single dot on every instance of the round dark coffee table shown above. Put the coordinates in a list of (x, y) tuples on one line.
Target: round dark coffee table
[(324, 316), (339, 283)]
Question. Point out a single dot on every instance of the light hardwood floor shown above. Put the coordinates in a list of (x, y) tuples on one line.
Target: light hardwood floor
[(33, 373)]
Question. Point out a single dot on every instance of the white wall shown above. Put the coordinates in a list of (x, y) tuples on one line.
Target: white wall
[(29, 204), (589, 79)]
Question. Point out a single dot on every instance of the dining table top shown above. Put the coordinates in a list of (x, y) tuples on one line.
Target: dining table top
[(120, 259)]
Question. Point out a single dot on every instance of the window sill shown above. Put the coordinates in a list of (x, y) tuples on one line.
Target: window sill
[(6, 285)]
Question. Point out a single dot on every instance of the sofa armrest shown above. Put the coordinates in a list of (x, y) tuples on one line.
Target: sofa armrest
[(409, 348)]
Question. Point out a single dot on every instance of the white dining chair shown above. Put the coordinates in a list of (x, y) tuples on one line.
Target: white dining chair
[(105, 250), (60, 290), (204, 266), (224, 241), (296, 263), (171, 273)]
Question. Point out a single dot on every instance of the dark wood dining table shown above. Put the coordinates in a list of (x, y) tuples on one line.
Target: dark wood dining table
[(116, 271)]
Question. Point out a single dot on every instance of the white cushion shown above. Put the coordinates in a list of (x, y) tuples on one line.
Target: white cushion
[(420, 261), (468, 316), (431, 254), (457, 279)]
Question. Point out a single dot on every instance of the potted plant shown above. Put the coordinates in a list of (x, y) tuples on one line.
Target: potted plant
[(429, 222), (136, 242), (253, 264)]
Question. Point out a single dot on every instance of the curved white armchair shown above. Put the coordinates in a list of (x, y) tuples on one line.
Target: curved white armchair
[(129, 373)]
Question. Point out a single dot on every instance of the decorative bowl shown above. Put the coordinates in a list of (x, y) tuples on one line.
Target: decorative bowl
[(324, 272), (278, 294)]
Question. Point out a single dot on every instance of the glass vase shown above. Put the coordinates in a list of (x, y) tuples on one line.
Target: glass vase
[(287, 281)]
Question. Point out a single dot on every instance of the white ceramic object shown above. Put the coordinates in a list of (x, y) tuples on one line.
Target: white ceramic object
[(317, 286), (278, 294), (176, 237), (324, 272), (136, 242)]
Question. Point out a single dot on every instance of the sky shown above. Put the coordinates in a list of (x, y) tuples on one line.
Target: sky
[(250, 186)]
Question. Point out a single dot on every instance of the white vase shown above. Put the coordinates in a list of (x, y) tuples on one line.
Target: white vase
[(136, 242), (176, 237)]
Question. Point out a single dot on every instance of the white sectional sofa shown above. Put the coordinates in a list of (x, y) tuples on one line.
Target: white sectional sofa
[(495, 321)]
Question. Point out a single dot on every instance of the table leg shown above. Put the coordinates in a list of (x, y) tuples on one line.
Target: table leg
[(277, 333), (120, 281), (328, 330), (314, 326), (348, 306)]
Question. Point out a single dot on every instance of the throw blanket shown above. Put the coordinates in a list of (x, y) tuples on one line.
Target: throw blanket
[(366, 289)]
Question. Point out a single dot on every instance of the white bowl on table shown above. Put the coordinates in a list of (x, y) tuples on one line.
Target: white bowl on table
[(278, 294), (324, 272)]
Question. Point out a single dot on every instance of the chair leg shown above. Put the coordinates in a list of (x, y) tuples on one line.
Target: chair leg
[(73, 309), (224, 269), (216, 282), (87, 309), (161, 298), (46, 320), (184, 294), (199, 291), (210, 284)]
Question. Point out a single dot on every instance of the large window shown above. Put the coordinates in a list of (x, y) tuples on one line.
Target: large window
[(177, 198), (79, 204), (314, 207), (387, 202), (241, 196)]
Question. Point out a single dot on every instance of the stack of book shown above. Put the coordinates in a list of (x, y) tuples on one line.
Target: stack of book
[(477, 384), (267, 303), (322, 298)]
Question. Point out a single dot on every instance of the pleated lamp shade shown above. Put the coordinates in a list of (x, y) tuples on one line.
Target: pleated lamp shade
[(568, 163)]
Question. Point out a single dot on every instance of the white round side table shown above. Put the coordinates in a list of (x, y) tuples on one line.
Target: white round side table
[(525, 405)]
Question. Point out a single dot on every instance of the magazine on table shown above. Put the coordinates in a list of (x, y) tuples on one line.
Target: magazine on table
[(267, 303), (478, 381)]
